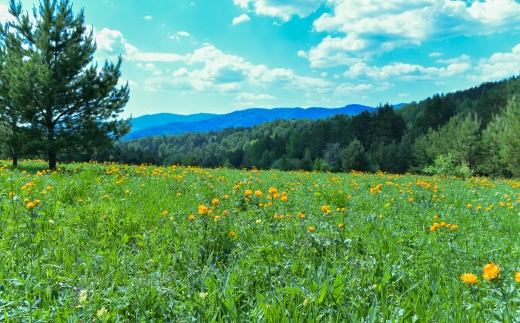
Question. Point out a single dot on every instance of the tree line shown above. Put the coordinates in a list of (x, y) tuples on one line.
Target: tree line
[(479, 127)]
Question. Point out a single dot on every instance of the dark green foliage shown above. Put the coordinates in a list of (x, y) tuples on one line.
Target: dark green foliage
[(55, 89)]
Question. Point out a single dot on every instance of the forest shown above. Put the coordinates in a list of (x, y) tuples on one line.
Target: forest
[(478, 127)]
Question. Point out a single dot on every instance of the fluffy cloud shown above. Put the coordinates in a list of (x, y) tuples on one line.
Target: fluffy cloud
[(405, 72), (435, 54), (147, 17), (498, 66), (226, 73), (282, 9), (376, 26), (111, 42), (241, 18), (349, 90), (457, 60), (251, 96)]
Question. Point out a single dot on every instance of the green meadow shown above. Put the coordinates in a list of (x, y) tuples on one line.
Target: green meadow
[(119, 243)]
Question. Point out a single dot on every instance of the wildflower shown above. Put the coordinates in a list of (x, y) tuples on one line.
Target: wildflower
[(127, 191), (443, 224), (380, 216), (517, 277), (49, 188), (102, 313), (258, 193), (491, 271), (284, 198), (469, 278), (215, 201), (191, 217), (341, 226), (80, 201), (216, 218), (454, 227), (258, 221), (410, 199), (233, 234), (225, 212), (83, 296), (30, 205), (202, 209), (306, 302), (165, 212), (203, 295), (311, 229), (301, 215), (272, 190), (470, 205), (248, 192)]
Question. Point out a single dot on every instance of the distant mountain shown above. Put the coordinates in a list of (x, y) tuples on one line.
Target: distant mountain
[(243, 118), (399, 105), (152, 120)]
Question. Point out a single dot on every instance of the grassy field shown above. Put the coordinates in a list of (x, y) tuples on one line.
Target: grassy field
[(117, 243)]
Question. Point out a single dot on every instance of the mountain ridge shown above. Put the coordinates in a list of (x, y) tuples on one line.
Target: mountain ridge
[(242, 118)]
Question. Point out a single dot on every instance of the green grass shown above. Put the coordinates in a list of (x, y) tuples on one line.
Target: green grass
[(129, 247)]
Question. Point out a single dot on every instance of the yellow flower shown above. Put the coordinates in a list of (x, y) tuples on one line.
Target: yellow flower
[(215, 201), (410, 199), (248, 192), (306, 302), (127, 191), (202, 209), (102, 313), (258, 221), (30, 205), (83, 296), (203, 295), (233, 234), (191, 217), (165, 212), (469, 278), (258, 193), (491, 271), (80, 201), (517, 277), (105, 196), (341, 226), (454, 227), (272, 190), (311, 229)]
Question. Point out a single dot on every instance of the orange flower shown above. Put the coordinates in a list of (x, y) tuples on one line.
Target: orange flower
[(248, 192), (341, 226), (191, 217), (233, 234), (311, 229), (469, 278), (258, 193), (165, 212), (517, 277), (410, 199), (454, 227), (491, 271), (215, 201), (202, 209)]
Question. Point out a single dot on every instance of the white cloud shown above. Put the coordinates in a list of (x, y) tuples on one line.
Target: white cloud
[(403, 95), (375, 26), (405, 72), (251, 96), (242, 18), (354, 90), (498, 66), (457, 60), (282, 9), (323, 74), (183, 33), (112, 42), (156, 73), (220, 69), (4, 14), (435, 54), (147, 18)]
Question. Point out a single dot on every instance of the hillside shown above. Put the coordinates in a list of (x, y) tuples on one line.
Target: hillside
[(153, 120), (243, 118)]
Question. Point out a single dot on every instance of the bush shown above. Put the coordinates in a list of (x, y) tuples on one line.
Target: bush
[(445, 165)]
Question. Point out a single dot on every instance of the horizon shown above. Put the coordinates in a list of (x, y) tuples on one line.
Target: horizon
[(180, 57)]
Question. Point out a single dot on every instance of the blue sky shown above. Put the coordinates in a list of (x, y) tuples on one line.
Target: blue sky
[(190, 56)]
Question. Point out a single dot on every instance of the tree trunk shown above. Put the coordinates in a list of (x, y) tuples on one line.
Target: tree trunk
[(15, 161), (52, 160)]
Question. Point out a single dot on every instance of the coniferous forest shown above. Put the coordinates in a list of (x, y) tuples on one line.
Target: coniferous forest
[(478, 127)]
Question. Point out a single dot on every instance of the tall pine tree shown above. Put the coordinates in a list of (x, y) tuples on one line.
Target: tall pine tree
[(58, 91)]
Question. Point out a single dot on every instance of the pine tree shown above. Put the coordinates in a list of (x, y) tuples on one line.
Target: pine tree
[(68, 104), (511, 137), (492, 161)]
